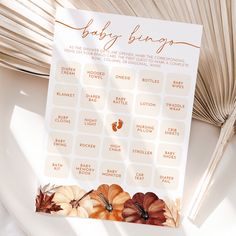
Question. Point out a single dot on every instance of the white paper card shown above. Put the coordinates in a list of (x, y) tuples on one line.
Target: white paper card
[(118, 116)]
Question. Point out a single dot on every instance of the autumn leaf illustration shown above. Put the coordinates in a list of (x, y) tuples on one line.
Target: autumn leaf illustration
[(49, 189), (44, 203), (171, 213)]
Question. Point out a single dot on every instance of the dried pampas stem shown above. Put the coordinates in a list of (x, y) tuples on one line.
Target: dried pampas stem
[(226, 133)]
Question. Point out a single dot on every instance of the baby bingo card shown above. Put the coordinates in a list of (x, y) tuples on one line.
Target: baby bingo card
[(118, 117)]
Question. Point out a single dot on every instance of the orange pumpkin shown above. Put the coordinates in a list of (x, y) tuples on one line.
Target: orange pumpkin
[(108, 202)]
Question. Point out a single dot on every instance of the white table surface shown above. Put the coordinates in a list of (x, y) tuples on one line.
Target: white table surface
[(22, 107)]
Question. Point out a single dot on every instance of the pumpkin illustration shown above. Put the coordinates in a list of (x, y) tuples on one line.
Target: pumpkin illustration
[(144, 209), (73, 200), (108, 202)]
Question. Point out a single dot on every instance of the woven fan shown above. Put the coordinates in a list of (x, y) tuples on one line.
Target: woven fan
[(26, 32)]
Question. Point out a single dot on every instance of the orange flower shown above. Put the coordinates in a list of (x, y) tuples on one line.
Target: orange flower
[(108, 202)]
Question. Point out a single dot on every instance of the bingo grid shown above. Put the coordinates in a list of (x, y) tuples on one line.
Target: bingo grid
[(115, 123)]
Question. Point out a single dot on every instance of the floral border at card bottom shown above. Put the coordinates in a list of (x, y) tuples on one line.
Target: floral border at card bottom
[(108, 202)]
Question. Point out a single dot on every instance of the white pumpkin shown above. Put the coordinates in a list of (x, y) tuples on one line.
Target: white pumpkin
[(73, 200)]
